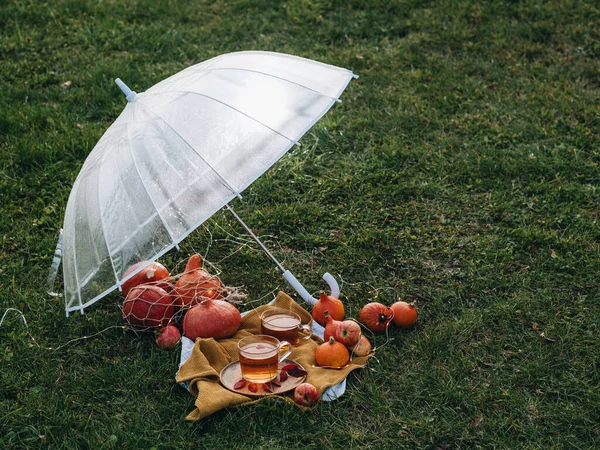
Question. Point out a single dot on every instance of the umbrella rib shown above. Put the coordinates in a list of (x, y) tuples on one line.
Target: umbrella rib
[(293, 141), (102, 224), (337, 99), (76, 278), (89, 276), (74, 268)]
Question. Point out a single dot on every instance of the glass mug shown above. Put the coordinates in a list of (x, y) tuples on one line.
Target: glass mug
[(284, 325), (260, 356)]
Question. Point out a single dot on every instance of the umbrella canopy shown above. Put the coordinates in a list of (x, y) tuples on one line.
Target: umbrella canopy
[(178, 153)]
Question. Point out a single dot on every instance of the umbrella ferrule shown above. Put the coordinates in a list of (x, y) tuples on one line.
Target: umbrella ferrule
[(129, 94)]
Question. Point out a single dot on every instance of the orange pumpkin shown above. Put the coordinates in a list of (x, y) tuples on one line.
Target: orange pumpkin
[(332, 354), (217, 319), (153, 272), (405, 314), (375, 316), (328, 303), (196, 285), (330, 326)]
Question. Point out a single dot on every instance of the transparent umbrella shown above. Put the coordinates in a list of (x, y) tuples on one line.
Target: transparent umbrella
[(181, 151)]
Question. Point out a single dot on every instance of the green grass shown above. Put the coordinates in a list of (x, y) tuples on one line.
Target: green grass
[(460, 172)]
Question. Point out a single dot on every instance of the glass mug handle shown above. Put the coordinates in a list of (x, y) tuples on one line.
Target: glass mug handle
[(287, 352), (306, 328)]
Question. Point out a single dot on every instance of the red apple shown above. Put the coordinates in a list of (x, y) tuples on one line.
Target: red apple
[(306, 394), (348, 333), (168, 337), (363, 348)]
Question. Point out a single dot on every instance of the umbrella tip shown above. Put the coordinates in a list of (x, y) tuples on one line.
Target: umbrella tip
[(129, 94)]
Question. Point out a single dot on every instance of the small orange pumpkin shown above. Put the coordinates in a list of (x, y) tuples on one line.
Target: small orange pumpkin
[(375, 316), (405, 314), (152, 273), (332, 354)]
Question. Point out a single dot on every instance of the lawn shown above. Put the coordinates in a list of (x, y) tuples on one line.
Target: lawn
[(460, 173)]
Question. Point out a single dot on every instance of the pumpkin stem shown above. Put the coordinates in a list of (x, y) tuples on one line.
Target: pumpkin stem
[(326, 315), (331, 340), (193, 263)]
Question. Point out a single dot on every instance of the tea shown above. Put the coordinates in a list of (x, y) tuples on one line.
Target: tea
[(259, 361), (282, 326)]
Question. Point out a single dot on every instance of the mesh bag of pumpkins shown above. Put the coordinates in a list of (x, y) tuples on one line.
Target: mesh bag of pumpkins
[(196, 301)]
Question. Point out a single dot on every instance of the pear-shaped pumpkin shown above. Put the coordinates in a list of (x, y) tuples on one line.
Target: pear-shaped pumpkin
[(196, 285), (327, 303), (331, 325)]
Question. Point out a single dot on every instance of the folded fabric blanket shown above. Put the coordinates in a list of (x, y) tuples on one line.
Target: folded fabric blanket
[(209, 356)]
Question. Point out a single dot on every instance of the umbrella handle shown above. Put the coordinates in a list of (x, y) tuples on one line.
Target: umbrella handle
[(333, 285), (331, 281)]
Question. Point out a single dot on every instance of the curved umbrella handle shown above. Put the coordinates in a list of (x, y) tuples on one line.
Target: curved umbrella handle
[(333, 285), (301, 290)]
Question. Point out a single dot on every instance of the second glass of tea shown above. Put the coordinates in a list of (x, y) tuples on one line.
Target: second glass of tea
[(284, 325)]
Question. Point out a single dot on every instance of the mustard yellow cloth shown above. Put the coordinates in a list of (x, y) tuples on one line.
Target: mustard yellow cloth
[(209, 356)]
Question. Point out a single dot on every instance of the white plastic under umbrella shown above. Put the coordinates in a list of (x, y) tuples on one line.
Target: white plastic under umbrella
[(178, 153)]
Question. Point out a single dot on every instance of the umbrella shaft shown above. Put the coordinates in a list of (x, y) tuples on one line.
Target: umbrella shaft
[(253, 236)]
